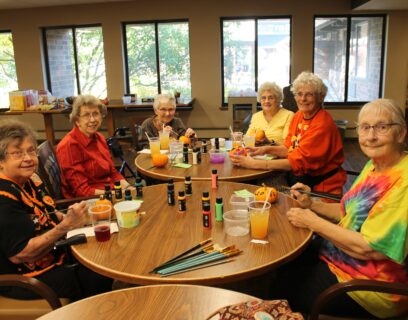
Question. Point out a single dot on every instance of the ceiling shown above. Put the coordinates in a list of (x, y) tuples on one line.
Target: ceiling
[(19, 4)]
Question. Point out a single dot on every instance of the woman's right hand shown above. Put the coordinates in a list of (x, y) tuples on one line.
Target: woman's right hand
[(255, 151), (304, 200), (77, 216)]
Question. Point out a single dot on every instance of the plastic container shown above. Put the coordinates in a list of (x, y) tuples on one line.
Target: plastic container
[(217, 156), (240, 203), (221, 140), (126, 213), (236, 223)]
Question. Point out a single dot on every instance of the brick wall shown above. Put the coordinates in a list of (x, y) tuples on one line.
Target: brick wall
[(59, 44)]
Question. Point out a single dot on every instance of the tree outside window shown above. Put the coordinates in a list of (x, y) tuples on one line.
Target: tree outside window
[(349, 56), (157, 58), (8, 75), (254, 51), (75, 61)]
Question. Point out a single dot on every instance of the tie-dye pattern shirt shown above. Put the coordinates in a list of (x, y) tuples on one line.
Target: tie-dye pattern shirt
[(377, 207)]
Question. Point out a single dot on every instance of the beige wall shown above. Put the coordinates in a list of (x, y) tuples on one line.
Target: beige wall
[(204, 17)]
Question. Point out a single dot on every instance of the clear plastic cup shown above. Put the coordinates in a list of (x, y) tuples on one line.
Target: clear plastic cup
[(259, 216), (236, 223), (237, 138), (100, 216), (249, 141), (154, 144), (164, 139)]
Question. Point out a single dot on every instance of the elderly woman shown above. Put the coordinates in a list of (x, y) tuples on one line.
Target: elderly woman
[(365, 236), (312, 151), (30, 224), (83, 154), (164, 107), (273, 119)]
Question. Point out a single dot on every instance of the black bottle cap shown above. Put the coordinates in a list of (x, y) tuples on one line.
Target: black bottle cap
[(218, 200), (214, 171), (181, 193), (127, 192), (206, 207), (206, 194), (117, 183), (107, 187), (138, 179), (188, 178), (170, 181)]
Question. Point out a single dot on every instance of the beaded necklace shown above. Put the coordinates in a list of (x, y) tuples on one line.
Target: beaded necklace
[(301, 128)]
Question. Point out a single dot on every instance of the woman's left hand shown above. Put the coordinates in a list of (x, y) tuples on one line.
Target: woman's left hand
[(302, 218), (243, 161), (189, 132)]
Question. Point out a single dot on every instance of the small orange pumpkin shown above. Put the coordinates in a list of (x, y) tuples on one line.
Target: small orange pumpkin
[(239, 151), (259, 135), (184, 139), (159, 160), (262, 192)]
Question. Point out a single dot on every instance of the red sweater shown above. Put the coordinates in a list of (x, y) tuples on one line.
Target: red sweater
[(86, 164)]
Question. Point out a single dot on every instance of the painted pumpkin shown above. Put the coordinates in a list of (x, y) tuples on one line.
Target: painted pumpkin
[(262, 192), (184, 139), (240, 151), (259, 135), (159, 160)]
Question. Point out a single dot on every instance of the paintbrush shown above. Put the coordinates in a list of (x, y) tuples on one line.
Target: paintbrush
[(197, 267), (325, 195)]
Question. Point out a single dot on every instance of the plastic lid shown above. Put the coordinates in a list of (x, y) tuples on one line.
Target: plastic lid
[(181, 193), (117, 183), (214, 171), (188, 178), (206, 194), (127, 206), (218, 200)]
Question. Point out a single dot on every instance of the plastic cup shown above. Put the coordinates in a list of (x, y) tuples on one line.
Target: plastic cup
[(126, 213), (259, 217), (126, 99), (164, 139), (100, 217), (237, 138), (249, 141), (176, 151), (154, 144), (236, 223)]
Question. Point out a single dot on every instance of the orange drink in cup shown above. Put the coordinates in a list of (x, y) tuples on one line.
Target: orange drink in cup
[(164, 139), (154, 144), (259, 217)]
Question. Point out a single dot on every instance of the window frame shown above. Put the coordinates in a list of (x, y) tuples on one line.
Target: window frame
[(353, 104), (256, 18), (74, 46), (156, 39)]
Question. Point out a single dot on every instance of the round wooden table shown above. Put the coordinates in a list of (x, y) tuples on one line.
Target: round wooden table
[(151, 302), (226, 171), (163, 233)]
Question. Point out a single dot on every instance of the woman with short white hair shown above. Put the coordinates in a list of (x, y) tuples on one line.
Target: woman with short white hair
[(164, 107), (272, 119)]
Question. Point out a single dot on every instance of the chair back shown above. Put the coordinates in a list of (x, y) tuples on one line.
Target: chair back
[(49, 170)]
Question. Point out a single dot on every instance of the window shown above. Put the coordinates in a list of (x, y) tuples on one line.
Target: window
[(254, 51), (75, 61), (157, 57), (8, 76), (349, 56)]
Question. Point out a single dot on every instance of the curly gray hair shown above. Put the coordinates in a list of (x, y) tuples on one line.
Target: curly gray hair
[(14, 130), (86, 100), (272, 87), (163, 98), (310, 79)]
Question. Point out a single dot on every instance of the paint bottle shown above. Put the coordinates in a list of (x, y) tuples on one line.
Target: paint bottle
[(204, 146), (217, 144), (139, 188), (170, 193), (219, 209), (185, 154), (188, 186), (118, 191), (195, 155), (181, 202), (206, 216), (205, 199), (108, 192), (214, 178), (128, 195)]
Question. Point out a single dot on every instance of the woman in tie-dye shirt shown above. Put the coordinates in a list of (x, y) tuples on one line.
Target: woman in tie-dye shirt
[(369, 238)]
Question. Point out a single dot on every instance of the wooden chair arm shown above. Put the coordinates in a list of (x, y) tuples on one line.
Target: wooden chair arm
[(32, 284), (355, 285)]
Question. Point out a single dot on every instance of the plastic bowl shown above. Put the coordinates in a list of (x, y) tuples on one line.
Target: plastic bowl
[(240, 203), (221, 141), (217, 156), (236, 223)]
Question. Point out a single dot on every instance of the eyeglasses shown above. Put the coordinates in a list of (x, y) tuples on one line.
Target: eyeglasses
[(88, 116), (20, 155), (167, 110), (264, 98), (379, 128), (306, 95)]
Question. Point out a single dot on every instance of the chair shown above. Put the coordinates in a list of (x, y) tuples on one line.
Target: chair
[(236, 104), (28, 309), (50, 172), (289, 101), (354, 285)]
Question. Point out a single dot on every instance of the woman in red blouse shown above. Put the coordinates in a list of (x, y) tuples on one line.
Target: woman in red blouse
[(83, 154)]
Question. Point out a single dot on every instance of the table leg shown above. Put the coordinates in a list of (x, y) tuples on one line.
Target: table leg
[(110, 123), (49, 128)]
